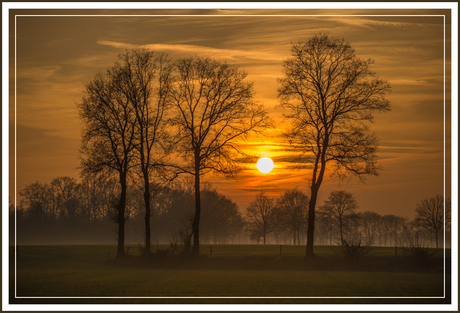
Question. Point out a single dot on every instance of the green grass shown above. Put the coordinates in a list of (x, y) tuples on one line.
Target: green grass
[(64, 271)]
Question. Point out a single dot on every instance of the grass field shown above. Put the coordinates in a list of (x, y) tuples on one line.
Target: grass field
[(231, 271)]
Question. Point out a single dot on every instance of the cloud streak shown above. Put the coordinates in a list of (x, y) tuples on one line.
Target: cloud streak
[(184, 49), (367, 22)]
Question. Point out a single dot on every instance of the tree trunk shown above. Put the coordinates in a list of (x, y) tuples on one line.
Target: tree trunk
[(147, 213), (341, 233), (196, 219), (265, 235), (311, 222), (436, 237), (121, 217)]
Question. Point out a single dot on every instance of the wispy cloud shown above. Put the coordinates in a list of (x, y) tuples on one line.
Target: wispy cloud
[(417, 82), (38, 72), (217, 53), (372, 22)]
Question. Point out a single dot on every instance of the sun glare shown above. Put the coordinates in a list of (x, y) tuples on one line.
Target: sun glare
[(265, 165)]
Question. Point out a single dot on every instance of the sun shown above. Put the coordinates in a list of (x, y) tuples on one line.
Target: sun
[(265, 165)]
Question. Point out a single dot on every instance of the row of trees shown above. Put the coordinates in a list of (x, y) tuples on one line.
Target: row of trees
[(338, 221), (68, 211)]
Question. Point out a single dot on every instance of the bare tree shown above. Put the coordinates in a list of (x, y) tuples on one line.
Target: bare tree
[(108, 137), (65, 193), (35, 200), (414, 244), (221, 218), (261, 216), (329, 94), (292, 212), (146, 81), (340, 208), (430, 214), (324, 226), (394, 225), (369, 224), (92, 193), (214, 108)]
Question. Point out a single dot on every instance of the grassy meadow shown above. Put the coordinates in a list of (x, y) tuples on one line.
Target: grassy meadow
[(89, 271)]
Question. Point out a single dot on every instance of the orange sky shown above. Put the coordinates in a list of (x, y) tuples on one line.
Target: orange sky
[(56, 55)]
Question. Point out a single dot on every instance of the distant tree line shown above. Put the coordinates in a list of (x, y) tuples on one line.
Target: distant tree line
[(285, 219), (67, 211)]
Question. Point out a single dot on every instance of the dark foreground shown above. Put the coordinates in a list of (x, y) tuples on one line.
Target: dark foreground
[(232, 274)]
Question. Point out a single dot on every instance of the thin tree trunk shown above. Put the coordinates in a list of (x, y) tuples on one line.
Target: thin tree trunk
[(121, 217), (341, 233), (196, 219), (436, 236), (147, 213)]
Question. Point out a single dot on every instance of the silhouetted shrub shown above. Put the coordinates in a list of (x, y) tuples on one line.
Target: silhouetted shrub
[(414, 247), (354, 251), (419, 256), (180, 246)]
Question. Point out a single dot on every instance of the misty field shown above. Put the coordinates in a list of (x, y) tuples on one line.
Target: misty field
[(231, 271)]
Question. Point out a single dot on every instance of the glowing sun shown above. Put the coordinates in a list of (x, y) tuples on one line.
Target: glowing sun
[(265, 165)]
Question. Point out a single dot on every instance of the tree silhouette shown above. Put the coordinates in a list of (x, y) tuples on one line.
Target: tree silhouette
[(292, 212), (430, 214), (146, 81), (65, 194), (108, 136), (261, 216), (393, 225), (92, 198), (340, 208), (214, 108), (36, 201), (369, 224), (329, 95), (221, 219)]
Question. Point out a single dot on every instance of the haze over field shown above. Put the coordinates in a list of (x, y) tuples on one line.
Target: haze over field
[(56, 55)]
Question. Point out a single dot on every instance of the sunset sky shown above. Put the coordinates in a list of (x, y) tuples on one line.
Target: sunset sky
[(56, 55)]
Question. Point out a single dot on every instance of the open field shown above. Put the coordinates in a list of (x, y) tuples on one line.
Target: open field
[(231, 271)]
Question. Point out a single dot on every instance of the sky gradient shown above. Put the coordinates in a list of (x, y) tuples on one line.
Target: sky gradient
[(56, 55)]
